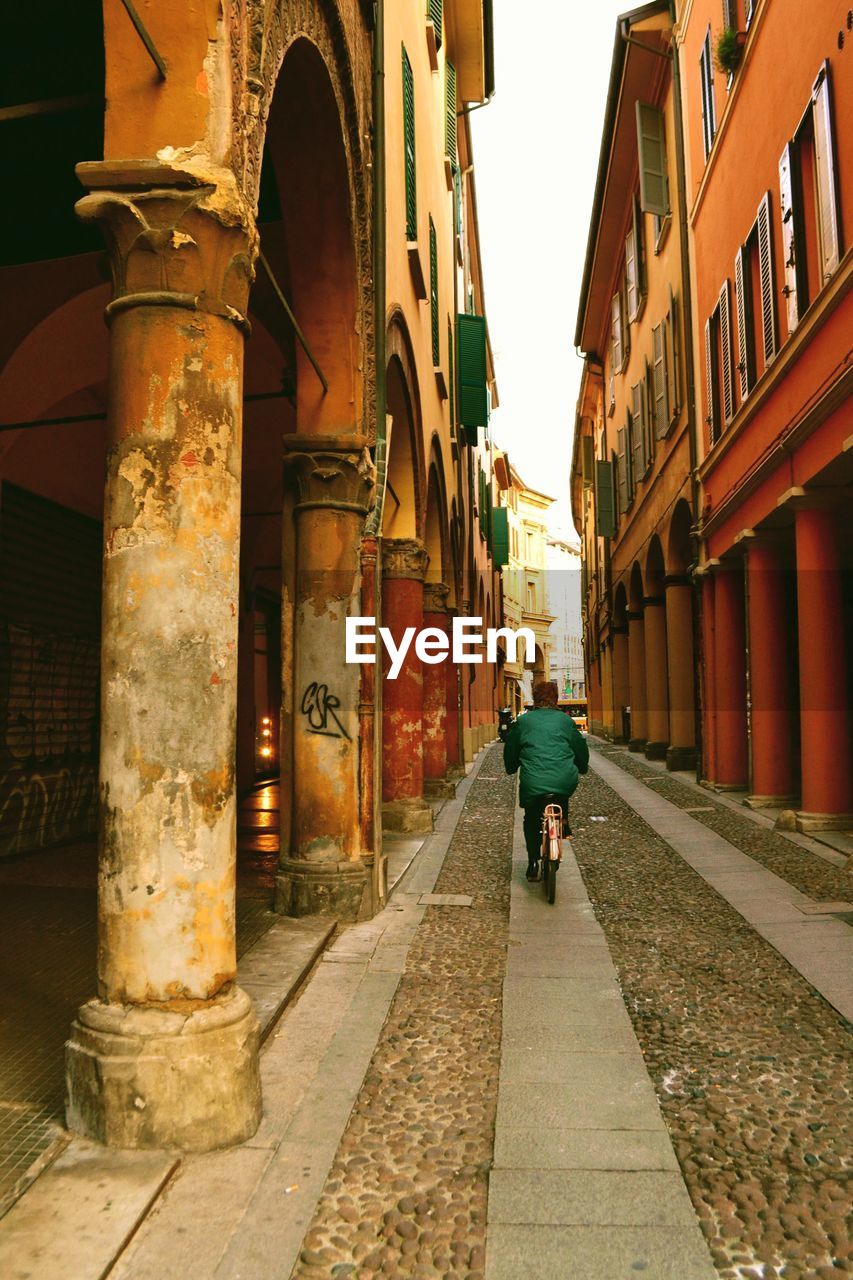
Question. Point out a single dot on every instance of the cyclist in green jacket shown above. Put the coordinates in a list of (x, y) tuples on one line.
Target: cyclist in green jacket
[(551, 752)]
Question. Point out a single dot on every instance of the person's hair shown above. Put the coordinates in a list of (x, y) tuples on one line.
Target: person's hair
[(545, 693)]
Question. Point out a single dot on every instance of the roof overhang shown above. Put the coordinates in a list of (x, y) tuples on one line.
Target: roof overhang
[(474, 48), (642, 36)]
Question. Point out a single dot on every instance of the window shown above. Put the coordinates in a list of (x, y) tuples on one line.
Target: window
[(473, 405), (531, 597), (719, 371), (623, 468), (450, 374), (409, 149), (754, 283), (706, 75), (811, 228), (664, 381), (638, 432), (651, 148), (434, 8), (635, 286), (433, 294), (605, 507), (611, 390), (618, 351)]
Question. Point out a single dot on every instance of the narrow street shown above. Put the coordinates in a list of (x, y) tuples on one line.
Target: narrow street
[(475, 1084)]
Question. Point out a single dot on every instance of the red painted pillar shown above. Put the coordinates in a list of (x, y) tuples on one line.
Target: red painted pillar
[(453, 735), (732, 765), (657, 692), (621, 695), (709, 687), (404, 562), (681, 669), (435, 687), (637, 679), (827, 763), (772, 729)]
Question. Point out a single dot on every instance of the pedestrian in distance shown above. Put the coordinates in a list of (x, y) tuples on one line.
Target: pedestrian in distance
[(548, 748)]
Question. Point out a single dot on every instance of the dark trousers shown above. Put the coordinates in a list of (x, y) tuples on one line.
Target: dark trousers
[(533, 822)]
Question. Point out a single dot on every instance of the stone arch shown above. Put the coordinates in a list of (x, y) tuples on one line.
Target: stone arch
[(405, 507), (655, 571), (261, 36), (620, 606), (635, 588), (306, 230), (679, 551), (435, 519)]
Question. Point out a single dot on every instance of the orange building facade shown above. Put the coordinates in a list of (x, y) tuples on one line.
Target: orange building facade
[(632, 492), (770, 211)]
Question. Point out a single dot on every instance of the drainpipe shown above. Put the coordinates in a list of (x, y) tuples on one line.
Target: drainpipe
[(373, 526), (687, 307)]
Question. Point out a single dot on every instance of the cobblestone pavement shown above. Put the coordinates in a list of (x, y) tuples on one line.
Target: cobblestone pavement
[(406, 1195), (751, 1065), (48, 927), (802, 869)]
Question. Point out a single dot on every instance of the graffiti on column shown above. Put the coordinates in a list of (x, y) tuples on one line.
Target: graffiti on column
[(48, 738), (320, 708)]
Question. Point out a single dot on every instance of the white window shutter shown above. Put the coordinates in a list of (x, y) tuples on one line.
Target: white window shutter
[(768, 275), (631, 282), (825, 181), (726, 353), (651, 148), (743, 281), (791, 235), (616, 345)]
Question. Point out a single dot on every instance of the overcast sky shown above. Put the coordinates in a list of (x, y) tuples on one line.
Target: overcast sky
[(536, 152)]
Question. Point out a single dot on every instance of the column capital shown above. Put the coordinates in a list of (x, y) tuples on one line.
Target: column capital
[(175, 239), (435, 597), (677, 580), (404, 558), (634, 615), (651, 602), (337, 479)]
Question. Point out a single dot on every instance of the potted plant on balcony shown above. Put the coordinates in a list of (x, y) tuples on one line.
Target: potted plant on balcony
[(728, 50)]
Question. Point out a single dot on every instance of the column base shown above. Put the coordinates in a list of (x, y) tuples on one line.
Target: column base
[(342, 889), (728, 786), (680, 758), (637, 744), (150, 1078), (770, 802), (656, 750), (440, 788), (410, 816), (456, 772), (824, 821)]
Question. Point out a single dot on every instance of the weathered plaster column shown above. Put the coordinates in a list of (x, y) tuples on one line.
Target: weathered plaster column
[(167, 1054), (637, 679), (732, 748), (708, 764), (827, 758), (404, 565), (657, 693), (326, 867), (435, 698), (771, 723), (621, 685), (607, 687), (681, 670)]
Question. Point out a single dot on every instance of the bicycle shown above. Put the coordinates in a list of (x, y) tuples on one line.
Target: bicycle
[(552, 848)]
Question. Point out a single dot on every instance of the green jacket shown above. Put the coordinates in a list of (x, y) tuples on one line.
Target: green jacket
[(551, 751)]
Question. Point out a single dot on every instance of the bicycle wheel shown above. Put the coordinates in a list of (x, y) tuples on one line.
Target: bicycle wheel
[(550, 878)]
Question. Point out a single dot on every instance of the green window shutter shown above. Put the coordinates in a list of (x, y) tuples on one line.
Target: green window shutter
[(482, 503), (661, 381), (451, 378), (471, 436), (450, 111), (651, 146), (605, 510), (587, 460), (637, 434), (673, 358), (434, 8), (622, 468), (433, 294), (473, 404), (409, 148), (500, 536)]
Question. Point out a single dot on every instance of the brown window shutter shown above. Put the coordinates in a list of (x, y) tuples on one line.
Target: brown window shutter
[(767, 274), (825, 175), (743, 299), (726, 357)]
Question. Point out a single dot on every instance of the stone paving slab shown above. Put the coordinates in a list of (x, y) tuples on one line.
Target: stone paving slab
[(596, 1253), (768, 903), (585, 1181), (277, 964), (589, 1197), (76, 1220)]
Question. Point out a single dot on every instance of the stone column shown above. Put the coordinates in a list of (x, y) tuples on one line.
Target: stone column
[(657, 693), (404, 565), (827, 760), (621, 685), (708, 688), (637, 680), (455, 765), (732, 748), (772, 727), (324, 868), (436, 782), (681, 671), (167, 1054)]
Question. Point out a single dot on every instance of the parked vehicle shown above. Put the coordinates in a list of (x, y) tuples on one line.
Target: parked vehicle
[(576, 708)]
